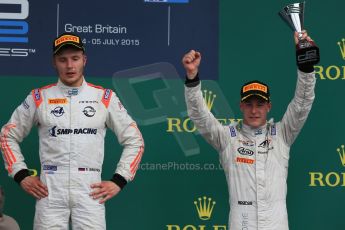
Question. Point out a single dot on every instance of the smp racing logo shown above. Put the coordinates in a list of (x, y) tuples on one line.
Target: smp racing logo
[(330, 179), (186, 125), (204, 208), (54, 131), (14, 28), (333, 72)]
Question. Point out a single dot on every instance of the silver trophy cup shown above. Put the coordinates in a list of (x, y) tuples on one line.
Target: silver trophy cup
[(307, 52)]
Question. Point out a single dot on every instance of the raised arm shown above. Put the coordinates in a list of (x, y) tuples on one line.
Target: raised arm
[(300, 106), (206, 123)]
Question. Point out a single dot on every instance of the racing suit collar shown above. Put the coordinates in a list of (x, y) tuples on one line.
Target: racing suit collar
[(71, 91)]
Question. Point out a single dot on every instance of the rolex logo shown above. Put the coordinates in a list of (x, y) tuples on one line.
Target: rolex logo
[(341, 152), (342, 47), (329, 179), (204, 206), (209, 98)]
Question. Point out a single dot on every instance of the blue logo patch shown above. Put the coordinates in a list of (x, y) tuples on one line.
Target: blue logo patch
[(232, 131), (258, 132), (73, 92), (273, 130), (37, 94), (106, 94), (50, 167)]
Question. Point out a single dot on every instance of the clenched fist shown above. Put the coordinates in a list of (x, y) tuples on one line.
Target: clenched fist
[(191, 62)]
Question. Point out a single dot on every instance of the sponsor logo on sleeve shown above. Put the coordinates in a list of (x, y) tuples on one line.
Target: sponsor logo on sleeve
[(25, 104), (232, 131)]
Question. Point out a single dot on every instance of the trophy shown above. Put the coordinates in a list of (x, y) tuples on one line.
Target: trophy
[(307, 52)]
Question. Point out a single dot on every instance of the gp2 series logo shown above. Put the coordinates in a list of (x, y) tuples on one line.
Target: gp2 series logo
[(12, 30), (13, 27)]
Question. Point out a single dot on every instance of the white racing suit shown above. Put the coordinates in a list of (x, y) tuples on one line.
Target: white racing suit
[(72, 124), (255, 161)]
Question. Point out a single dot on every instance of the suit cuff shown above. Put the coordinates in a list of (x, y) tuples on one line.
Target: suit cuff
[(306, 68), (119, 180), (192, 82), (20, 175)]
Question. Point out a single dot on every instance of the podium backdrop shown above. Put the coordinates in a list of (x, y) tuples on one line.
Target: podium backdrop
[(135, 47)]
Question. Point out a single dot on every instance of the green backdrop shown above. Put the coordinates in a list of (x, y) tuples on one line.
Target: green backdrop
[(254, 44)]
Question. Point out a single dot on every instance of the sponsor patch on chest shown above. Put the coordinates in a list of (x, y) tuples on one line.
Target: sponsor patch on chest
[(245, 160), (244, 151), (57, 101)]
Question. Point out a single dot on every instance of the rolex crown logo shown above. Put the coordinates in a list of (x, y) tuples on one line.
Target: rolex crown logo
[(341, 45), (209, 98), (341, 152), (204, 206)]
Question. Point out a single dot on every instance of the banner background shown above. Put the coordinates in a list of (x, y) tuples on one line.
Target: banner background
[(254, 43)]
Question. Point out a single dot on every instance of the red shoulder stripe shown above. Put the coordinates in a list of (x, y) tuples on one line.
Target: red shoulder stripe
[(48, 86), (106, 97), (37, 96), (95, 86)]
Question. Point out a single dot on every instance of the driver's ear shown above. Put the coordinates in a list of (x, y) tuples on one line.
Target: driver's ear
[(241, 106), (269, 107)]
